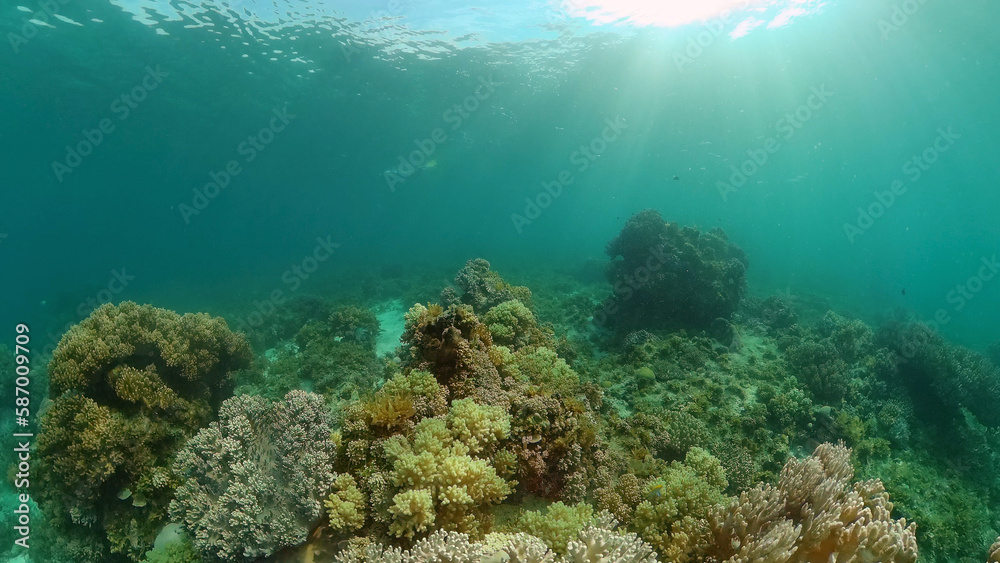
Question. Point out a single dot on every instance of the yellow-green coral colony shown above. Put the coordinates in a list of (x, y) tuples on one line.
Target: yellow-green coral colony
[(495, 433)]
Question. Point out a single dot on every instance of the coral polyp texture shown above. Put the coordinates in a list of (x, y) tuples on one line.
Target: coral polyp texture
[(128, 384), (483, 288), (593, 544), (814, 514), (255, 481), (667, 276)]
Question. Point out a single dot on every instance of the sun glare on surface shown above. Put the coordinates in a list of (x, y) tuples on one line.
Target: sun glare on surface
[(747, 14)]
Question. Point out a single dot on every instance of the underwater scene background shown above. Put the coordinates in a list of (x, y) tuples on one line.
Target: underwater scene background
[(522, 281)]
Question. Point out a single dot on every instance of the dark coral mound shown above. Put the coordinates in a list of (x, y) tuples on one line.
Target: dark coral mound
[(668, 276), (943, 378), (129, 384)]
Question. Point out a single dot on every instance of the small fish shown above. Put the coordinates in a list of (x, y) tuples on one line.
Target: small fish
[(904, 291), (676, 177), (656, 491)]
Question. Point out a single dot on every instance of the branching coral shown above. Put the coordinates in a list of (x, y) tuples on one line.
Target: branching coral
[(337, 358), (441, 482), (818, 365), (394, 409), (958, 377), (602, 545), (673, 516), (814, 514), (130, 383), (555, 428), (558, 525), (483, 288), (345, 506), (254, 481), (837, 360), (191, 354), (593, 544), (354, 324)]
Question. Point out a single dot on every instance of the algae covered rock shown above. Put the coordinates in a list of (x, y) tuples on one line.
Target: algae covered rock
[(667, 276)]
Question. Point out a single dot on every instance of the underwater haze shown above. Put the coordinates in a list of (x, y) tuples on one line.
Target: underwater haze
[(281, 163)]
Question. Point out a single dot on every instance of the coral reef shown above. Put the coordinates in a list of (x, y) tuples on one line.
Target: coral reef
[(345, 507), (354, 324), (254, 481), (814, 514), (181, 551), (334, 356), (773, 313), (558, 525), (283, 321), (431, 466), (444, 475), (488, 438), (673, 517), (482, 288), (512, 324), (667, 276), (129, 384), (552, 429), (593, 544), (958, 377), (453, 345), (142, 354)]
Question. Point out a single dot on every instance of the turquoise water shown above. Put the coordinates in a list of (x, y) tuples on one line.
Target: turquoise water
[(119, 208), (201, 156)]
